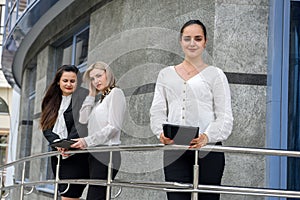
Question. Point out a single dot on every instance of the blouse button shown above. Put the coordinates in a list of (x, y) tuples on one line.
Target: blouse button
[(183, 99), (182, 117), (182, 108), (183, 91)]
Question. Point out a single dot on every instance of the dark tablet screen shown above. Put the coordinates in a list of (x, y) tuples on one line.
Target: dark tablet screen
[(64, 143), (180, 134)]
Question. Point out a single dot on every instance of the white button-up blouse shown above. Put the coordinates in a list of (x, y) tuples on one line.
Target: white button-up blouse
[(203, 101), (104, 119)]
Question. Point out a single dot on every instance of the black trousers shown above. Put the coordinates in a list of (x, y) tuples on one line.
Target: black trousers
[(98, 163), (178, 167), (74, 167)]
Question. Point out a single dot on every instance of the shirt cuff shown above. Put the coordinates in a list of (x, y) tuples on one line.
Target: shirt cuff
[(90, 98)]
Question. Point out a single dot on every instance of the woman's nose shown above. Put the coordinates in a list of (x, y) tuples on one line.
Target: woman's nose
[(192, 42), (96, 80)]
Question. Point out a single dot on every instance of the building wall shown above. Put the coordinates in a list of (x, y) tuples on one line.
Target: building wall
[(6, 96), (240, 46), (137, 39)]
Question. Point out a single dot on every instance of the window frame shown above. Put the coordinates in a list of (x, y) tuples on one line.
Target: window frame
[(278, 90), (277, 99)]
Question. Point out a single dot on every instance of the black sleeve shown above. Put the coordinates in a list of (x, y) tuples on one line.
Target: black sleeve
[(50, 136)]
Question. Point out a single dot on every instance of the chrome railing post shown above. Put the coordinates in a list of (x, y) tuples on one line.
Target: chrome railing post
[(57, 178), (109, 177), (1, 183), (22, 181), (196, 176)]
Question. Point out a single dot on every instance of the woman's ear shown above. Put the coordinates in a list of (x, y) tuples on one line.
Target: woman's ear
[(205, 43)]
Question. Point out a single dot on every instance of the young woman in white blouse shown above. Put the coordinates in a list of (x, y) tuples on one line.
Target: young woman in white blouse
[(193, 93), (104, 118)]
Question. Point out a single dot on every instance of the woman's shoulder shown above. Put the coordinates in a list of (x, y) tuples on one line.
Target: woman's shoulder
[(213, 71), (167, 69), (80, 92), (117, 90)]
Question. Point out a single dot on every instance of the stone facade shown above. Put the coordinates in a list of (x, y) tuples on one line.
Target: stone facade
[(137, 39)]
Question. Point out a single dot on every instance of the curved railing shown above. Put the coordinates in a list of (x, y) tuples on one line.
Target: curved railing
[(26, 188)]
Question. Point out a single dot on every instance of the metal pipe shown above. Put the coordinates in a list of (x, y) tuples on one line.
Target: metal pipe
[(196, 176), (177, 187), (57, 178), (174, 187), (109, 176), (22, 182), (1, 184), (155, 147)]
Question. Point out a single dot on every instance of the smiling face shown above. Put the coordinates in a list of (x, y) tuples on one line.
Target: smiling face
[(193, 41), (68, 83), (98, 79)]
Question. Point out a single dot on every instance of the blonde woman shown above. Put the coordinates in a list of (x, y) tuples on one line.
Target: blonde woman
[(104, 119)]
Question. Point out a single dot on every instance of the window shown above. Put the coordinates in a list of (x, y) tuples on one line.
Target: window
[(74, 50), (3, 106), (283, 94), (3, 146), (294, 97)]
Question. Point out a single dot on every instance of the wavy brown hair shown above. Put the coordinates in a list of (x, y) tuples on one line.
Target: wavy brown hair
[(52, 99)]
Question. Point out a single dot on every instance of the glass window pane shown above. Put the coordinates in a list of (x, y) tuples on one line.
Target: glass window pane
[(3, 148), (82, 41), (294, 97), (22, 7), (64, 53), (3, 106)]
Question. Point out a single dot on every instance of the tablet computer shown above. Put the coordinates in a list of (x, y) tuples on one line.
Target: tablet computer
[(180, 134), (63, 143)]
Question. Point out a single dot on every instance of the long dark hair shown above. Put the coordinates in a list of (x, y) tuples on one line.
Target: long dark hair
[(52, 99), (191, 22)]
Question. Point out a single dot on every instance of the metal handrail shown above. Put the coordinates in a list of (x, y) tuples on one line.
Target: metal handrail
[(161, 186)]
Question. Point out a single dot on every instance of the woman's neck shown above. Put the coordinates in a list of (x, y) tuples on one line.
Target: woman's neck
[(196, 63)]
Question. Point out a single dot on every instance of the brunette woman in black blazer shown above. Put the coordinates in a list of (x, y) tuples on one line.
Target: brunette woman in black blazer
[(59, 120)]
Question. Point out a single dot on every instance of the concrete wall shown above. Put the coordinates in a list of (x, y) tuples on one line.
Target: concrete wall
[(240, 46), (137, 39)]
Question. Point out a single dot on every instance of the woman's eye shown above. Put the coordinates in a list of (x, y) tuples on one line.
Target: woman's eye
[(187, 39), (198, 39), (73, 81)]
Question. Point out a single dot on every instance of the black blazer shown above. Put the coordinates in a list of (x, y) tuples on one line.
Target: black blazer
[(71, 116)]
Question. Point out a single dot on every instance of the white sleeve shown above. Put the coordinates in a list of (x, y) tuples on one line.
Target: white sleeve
[(86, 109), (221, 127), (159, 108), (116, 113)]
